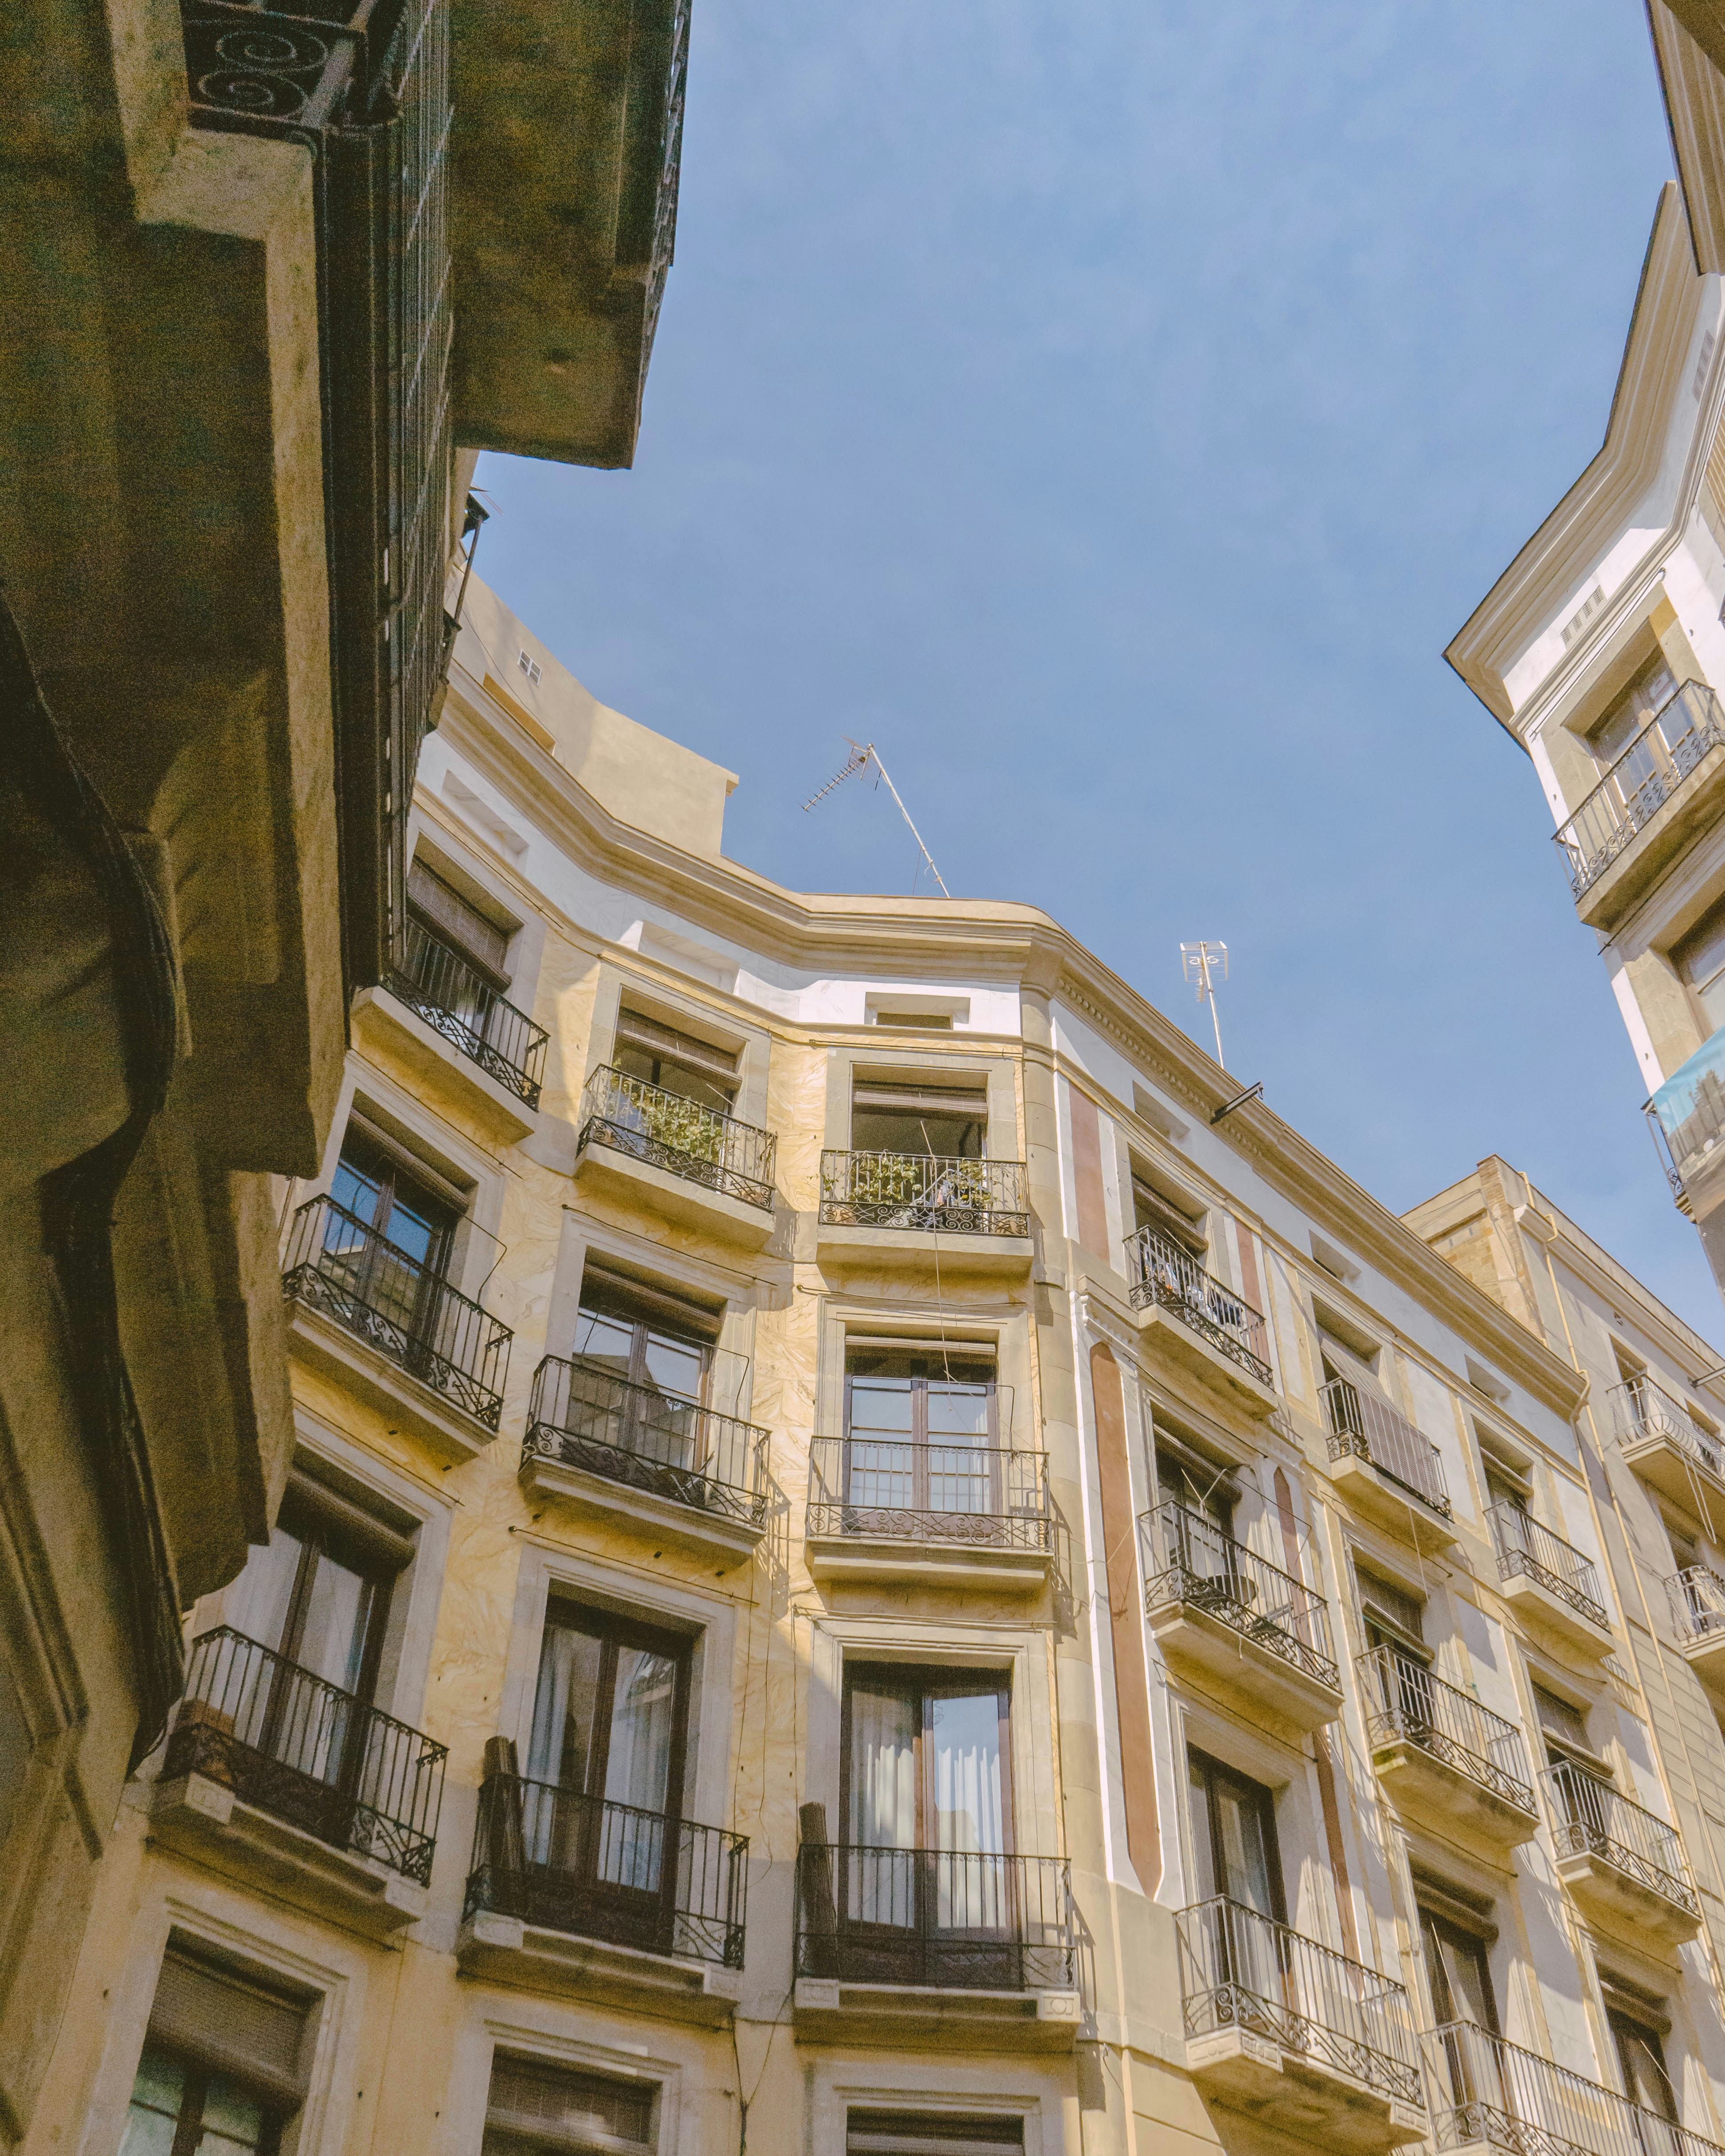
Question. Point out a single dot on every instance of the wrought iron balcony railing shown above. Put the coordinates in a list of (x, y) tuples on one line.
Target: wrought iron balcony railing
[(565, 1862), (1159, 1272), (684, 1137), (1640, 1410), (949, 1919), (1490, 2094), (1640, 783), (948, 1489), (1405, 1701), (936, 1193), (1696, 1597), (366, 89), (1188, 1559), (1239, 1969), (335, 1263), (303, 1750), (1367, 1426), (1525, 1549), (454, 999), (1592, 1817), (582, 1413)]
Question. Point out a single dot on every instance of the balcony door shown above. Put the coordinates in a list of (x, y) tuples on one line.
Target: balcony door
[(675, 1062), (1627, 722), (639, 1388), (1464, 2007), (391, 1241), (1238, 1868), (605, 1766), (921, 1438), (928, 1893)]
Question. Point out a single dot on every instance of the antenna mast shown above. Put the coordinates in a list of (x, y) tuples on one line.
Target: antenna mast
[(862, 755), (1205, 964)]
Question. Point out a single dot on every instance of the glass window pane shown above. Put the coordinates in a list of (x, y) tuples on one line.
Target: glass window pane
[(258, 1600), (608, 1340), (957, 1409), (232, 2120), (1244, 1857), (673, 1365), (882, 1404), (358, 1193), (561, 1747), (883, 1768), (643, 1714), (1198, 1784), (964, 1737), (332, 1637), (157, 2090)]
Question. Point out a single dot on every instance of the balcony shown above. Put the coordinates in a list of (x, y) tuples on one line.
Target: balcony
[(641, 1146), (1623, 1866), (1388, 1471), (1686, 1118), (1297, 2035), (1697, 1599), (946, 1513), (436, 1001), (603, 1901), (1665, 789), (648, 1461), (915, 1212), (1487, 2094), (274, 1773), (1220, 1610), (1666, 1448), (1198, 1323), (1446, 1762), (1551, 1587), (397, 1333), (960, 1947)]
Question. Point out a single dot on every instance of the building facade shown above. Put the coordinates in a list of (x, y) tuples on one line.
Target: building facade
[(871, 1564)]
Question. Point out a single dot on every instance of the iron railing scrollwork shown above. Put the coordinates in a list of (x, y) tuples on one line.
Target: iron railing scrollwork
[(291, 1743), (454, 999), (1188, 1559), (946, 1490), (1526, 1549), (1640, 783), (941, 1194), (1162, 1275), (1696, 1599), (1240, 1969), (1642, 1411), (1488, 2093), (1405, 1701), (684, 1137), (1592, 1817), (1365, 1425), (365, 86), (565, 1862), (335, 1263), (947, 1919), (583, 1413)]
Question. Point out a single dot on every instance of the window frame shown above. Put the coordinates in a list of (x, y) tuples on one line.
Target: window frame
[(923, 1683), (1213, 1772)]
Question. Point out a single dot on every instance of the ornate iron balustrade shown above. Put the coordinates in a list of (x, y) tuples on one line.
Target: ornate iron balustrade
[(1526, 1549), (295, 1746), (1591, 1817), (1640, 1409), (365, 86), (454, 999), (582, 1413), (1696, 1597), (1188, 1559), (1368, 1427), (336, 1264), (1640, 783), (1405, 1701), (948, 1919), (1492, 2094), (683, 1136), (1160, 1272), (935, 1192), (948, 1489), (1242, 1970), (569, 1863)]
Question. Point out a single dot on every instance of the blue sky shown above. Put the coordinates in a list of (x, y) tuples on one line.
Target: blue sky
[(1112, 408)]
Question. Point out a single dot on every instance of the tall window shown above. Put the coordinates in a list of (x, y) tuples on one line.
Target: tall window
[(1635, 2029), (1457, 1972), (937, 2133), (1645, 698), (1700, 961), (459, 921), (1233, 1837), (221, 2072), (927, 1760), (535, 2107), (1175, 1219), (921, 1431), (649, 1339), (662, 1055), (610, 1728), (951, 1122)]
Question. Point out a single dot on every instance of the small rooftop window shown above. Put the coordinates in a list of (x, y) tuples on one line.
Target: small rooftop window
[(529, 667)]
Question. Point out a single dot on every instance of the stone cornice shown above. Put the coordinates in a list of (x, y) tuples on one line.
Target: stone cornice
[(1589, 518), (1013, 943)]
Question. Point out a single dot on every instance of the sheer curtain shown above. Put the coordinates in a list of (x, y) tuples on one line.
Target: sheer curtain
[(560, 1747), (638, 1766), (963, 1736), (883, 1806)]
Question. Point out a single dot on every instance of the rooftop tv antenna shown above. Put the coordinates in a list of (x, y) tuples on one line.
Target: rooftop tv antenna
[(1205, 964), (862, 755)]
